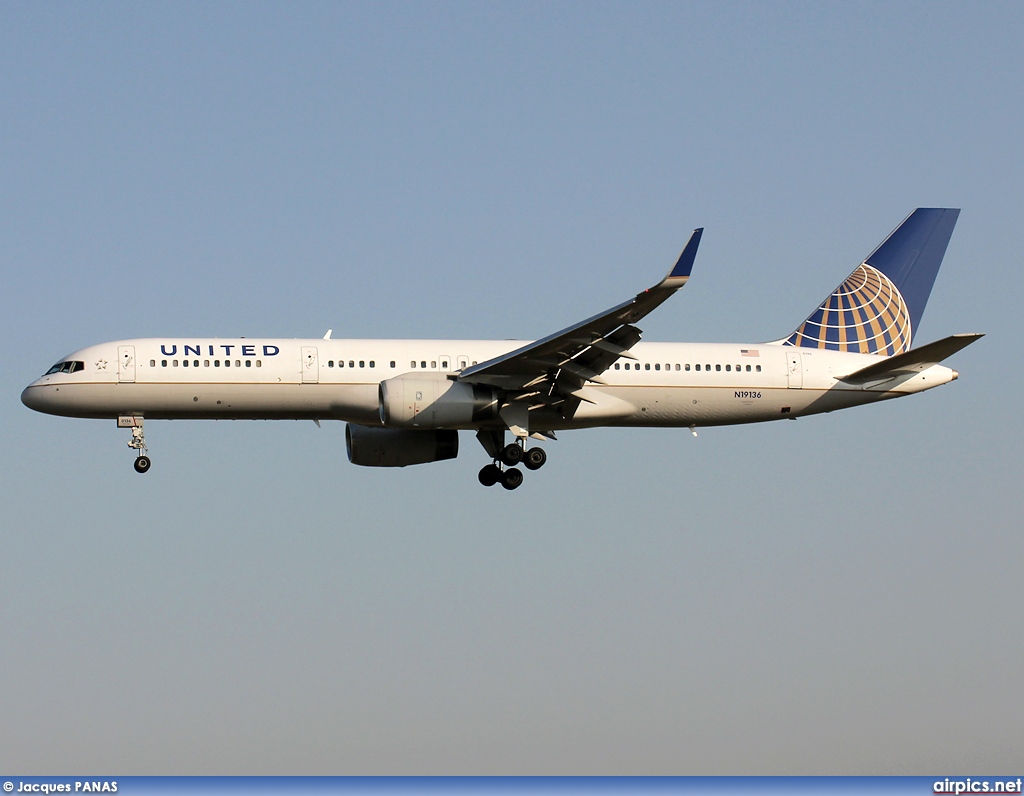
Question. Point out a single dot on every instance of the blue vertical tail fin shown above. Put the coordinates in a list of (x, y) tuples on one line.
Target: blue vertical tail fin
[(877, 309)]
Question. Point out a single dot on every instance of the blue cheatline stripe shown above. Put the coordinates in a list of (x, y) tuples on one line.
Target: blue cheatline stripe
[(714, 786)]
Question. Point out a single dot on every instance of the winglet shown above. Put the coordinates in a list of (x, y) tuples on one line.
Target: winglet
[(681, 271)]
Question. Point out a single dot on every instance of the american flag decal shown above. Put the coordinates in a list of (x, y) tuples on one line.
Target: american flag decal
[(749, 352)]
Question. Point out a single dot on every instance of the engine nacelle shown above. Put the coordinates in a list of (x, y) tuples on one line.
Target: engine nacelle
[(423, 402), (395, 447)]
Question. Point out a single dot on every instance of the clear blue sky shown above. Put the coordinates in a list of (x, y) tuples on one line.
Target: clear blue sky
[(839, 594)]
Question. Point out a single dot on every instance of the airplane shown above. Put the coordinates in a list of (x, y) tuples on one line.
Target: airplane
[(405, 401)]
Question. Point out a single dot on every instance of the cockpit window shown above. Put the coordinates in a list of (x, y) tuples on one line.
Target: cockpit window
[(66, 367)]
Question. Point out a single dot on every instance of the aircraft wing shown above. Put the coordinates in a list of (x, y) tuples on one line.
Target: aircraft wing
[(558, 365), (913, 361)]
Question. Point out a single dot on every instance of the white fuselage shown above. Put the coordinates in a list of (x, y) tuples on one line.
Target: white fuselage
[(668, 384)]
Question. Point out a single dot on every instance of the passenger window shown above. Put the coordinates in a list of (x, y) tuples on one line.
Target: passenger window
[(174, 362), (707, 366), (433, 364), (163, 363), (718, 367), (658, 366), (728, 368), (351, 363), (216, 363), (184, 363), (698, 367), (259, 363), (392, 363), (152, 363), (238, 363), (372, 364), (687, 366), (362, 363), (423, 363), (330, 363), (412, 364), (444, 365), (248, 363), (647, 366), (748, 368), (616, 365), (227, 363), (758, 368), (206, 363)]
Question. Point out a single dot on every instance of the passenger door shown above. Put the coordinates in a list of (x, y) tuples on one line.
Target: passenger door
[(795, 369), (126, 363)]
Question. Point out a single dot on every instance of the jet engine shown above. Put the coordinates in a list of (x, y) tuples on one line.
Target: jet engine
[(423, 402), (394, 447)]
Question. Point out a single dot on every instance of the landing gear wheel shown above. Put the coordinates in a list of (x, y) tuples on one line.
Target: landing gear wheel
[(534, 458), (142, 464), (489, 475), (511, 455), (510, 479)]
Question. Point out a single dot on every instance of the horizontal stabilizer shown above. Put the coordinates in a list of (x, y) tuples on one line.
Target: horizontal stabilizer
[(915, 360)]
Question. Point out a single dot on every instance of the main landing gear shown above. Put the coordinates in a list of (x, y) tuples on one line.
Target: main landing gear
[(504, 468), (137, 442)]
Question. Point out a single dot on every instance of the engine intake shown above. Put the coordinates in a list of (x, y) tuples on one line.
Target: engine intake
[(417, 402), (394, 447)]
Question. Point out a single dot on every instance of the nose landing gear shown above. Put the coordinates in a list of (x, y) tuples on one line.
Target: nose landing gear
[(137, 442)]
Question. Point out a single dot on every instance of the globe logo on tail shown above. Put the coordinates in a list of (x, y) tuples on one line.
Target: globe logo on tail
[(864, 315)]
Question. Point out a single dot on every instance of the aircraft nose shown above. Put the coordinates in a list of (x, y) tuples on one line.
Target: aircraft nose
[(32, 397)]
